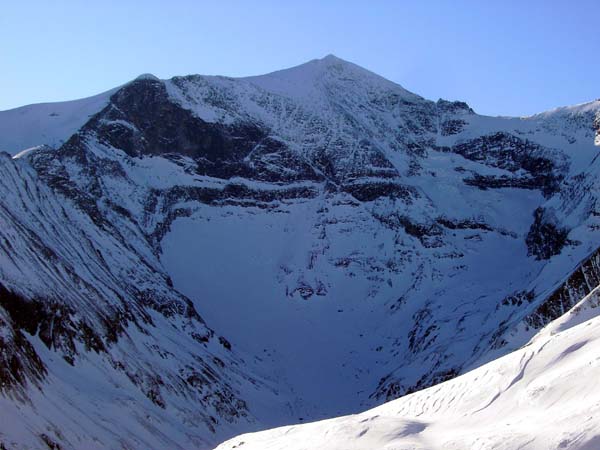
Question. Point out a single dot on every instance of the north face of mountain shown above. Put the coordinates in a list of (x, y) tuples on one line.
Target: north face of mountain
[(349, 242)]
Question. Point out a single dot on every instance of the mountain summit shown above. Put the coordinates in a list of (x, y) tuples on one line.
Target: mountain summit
[(320, 73)]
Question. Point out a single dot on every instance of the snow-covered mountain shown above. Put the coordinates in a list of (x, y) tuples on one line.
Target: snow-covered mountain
[(222, 255), (543, 396)]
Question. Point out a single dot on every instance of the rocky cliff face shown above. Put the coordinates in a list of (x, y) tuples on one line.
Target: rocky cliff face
[(349, 241), (578, 284)]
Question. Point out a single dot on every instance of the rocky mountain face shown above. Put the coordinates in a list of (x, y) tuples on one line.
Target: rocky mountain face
[(208, 255), (90, 322)]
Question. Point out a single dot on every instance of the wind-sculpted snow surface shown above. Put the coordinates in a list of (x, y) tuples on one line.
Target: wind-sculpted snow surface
[(543, 396), (349, 241)]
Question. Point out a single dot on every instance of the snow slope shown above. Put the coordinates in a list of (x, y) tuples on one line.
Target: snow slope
[(47, 123), (97, 349), (543, 396)]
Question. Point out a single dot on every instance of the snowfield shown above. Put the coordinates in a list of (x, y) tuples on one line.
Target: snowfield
[(47, 123), (544, 396)]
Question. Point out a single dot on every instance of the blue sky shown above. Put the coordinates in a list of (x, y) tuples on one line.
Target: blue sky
[(503, 58)]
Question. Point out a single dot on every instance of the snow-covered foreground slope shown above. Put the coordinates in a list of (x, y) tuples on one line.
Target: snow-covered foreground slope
[(543, 396)]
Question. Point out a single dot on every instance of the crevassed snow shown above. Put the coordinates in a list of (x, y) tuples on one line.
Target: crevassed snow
[(541, 397)]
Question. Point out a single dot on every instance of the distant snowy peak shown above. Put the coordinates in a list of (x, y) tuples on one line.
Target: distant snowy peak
[(314, 89), (574, 118), (582, 108), (147, 76), (312, 77)]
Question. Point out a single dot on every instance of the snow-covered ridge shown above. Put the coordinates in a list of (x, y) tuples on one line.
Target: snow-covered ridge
[(53, 123), (47, 123), (303, 81), (578, 109)]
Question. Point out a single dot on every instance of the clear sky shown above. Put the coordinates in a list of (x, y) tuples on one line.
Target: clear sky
[(503, 57)]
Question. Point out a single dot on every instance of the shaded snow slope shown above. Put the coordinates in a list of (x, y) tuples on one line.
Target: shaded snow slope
[(97, 349), (47, 123), (543, 396)]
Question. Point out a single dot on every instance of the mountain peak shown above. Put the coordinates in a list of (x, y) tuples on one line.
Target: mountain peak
[(147, 76), (331, 58), (308, 78)]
